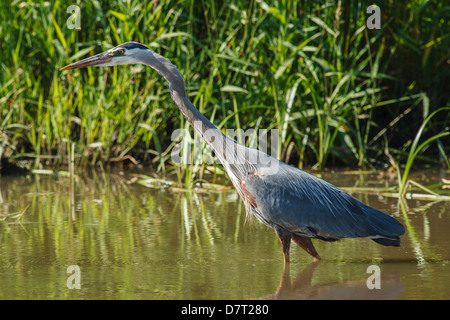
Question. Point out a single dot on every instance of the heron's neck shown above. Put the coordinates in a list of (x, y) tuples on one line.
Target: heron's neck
[(178, 92)]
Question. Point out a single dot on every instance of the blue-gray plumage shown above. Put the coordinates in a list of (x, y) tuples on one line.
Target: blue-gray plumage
[(307, 206), (296, 204)]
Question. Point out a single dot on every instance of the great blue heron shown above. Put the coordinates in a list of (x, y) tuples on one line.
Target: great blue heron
[(296, 204)]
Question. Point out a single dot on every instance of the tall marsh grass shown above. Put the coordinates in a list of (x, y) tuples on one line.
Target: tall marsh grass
[(338, 92)]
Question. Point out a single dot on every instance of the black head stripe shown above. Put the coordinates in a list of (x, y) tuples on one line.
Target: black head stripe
[(133, 45)]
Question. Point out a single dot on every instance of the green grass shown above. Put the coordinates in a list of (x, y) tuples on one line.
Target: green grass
[(416, 148), (338, 93)]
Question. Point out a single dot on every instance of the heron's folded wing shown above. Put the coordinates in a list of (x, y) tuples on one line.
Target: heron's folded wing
[(306, 205)]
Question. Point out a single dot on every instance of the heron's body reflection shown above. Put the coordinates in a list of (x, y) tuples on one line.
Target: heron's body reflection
[(303, 287)]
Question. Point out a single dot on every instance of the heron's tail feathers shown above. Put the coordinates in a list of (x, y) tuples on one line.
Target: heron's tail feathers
[(388, 242)]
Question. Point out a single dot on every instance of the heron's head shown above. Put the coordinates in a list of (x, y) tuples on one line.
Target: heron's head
[(126, 53)]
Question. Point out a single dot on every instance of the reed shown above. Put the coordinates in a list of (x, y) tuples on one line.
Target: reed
[(416, 148), (311, 69)]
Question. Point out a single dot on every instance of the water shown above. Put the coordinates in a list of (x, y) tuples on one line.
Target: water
[(134, 242)]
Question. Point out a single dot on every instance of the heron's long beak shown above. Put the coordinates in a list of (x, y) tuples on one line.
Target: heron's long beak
[(96, 60)]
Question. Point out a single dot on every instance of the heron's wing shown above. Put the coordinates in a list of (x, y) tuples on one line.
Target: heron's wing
[(308, 206)]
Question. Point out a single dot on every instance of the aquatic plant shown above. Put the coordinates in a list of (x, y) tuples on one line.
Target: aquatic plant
[(335, 90)]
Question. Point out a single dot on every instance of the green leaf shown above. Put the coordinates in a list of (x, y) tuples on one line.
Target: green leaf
[(118, 15), (230, 88), (60, 34)]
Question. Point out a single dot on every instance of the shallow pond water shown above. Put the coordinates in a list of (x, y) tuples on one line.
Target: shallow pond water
[(134, 242)]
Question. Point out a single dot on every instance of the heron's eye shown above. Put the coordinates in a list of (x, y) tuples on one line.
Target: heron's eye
[(121, 51)]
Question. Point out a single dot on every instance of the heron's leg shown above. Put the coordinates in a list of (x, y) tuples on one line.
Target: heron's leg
[(306, 244), (285, 239)]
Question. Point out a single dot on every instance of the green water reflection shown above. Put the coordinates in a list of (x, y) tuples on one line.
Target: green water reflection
[(132, 242)]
